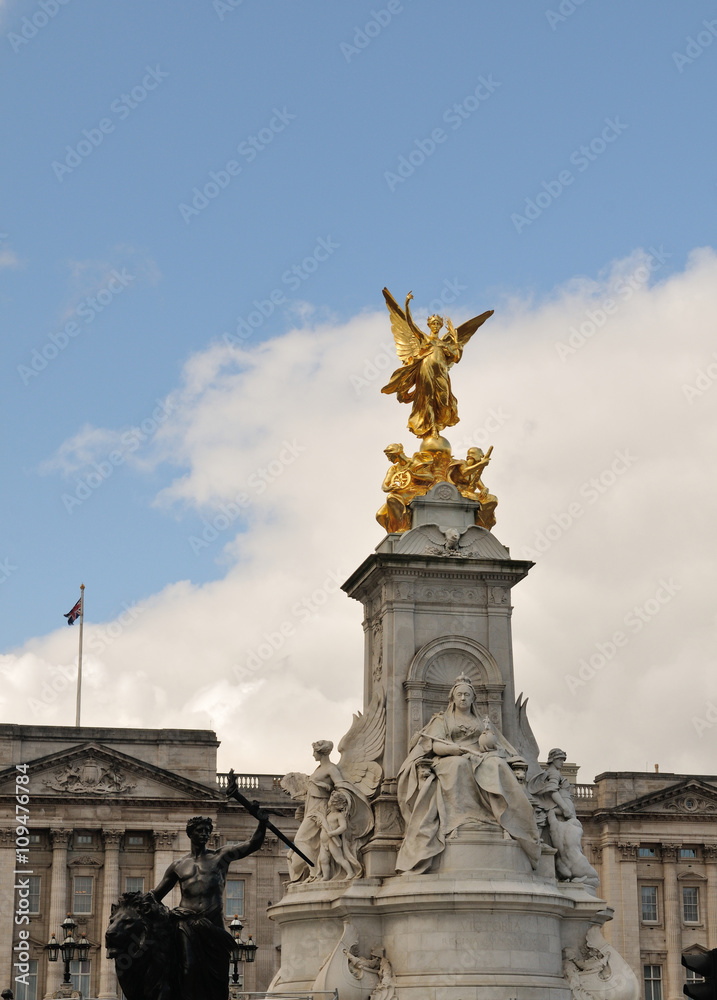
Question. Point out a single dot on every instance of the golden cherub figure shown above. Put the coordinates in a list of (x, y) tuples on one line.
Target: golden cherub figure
[(423, 378)]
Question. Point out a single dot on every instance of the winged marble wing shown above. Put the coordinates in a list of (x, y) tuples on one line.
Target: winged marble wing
[(363, 744)]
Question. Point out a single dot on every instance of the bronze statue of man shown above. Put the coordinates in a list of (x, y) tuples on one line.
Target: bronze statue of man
[(205, 943)]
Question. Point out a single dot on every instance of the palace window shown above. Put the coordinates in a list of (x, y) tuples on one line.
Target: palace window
[(34, 897), (35, 838), (646, 852), (235, 897), (688, 852), (690, 904), (80, 976), (134, 883), (28, 990), (85, 839), (653, 982), (648, 895), (135, 840), (82, 895), (693, 977)]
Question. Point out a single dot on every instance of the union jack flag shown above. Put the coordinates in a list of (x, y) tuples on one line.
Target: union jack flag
[(73, 615)]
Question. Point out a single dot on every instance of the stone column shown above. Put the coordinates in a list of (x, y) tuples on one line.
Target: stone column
[(164, 842), (110, 892), (628, 902), (58, 903), (673, 923), (610, 890), (7, 902), (710, 855)]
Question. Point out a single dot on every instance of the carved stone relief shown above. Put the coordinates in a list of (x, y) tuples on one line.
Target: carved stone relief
[(60, 838), (164, 840), (89, 776)]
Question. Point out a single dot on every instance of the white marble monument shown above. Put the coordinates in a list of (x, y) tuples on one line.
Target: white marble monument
[(448, 862)]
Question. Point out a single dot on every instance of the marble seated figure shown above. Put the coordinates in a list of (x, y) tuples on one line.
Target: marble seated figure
[(458, 776)]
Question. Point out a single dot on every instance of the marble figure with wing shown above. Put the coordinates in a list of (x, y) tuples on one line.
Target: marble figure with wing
[(357, 776)]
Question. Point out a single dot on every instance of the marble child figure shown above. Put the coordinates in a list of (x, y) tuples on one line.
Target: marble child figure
[(335, 841), (468, 783)]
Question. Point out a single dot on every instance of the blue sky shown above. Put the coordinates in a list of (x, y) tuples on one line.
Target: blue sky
[(495, 153)]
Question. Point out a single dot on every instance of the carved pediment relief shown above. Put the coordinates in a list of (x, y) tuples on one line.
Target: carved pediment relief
[(86, 861), (97, 771), (690, 797), (90, 776)]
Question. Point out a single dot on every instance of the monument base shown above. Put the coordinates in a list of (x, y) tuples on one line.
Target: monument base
[(483, 926)]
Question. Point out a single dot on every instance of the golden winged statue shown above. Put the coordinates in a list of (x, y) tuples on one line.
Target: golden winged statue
[(423, 378)]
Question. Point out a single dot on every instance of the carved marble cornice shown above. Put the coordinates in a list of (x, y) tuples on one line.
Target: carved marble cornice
[(60, 838)]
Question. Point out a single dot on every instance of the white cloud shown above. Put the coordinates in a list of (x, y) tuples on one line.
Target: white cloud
[(8, 258), (297, 425)]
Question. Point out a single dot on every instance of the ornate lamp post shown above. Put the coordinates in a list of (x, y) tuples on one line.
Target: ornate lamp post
[(69, 949), (243, 951)]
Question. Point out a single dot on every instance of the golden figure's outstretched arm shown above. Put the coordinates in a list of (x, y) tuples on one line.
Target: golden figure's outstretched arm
[(409, 319)]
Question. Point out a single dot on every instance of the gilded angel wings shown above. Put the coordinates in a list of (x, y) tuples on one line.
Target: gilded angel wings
[(411, 341), (423, 378)]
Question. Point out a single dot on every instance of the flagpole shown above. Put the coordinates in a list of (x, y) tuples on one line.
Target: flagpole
[(79, 658)]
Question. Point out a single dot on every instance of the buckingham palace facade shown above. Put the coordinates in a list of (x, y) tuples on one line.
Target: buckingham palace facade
[(107, 811)]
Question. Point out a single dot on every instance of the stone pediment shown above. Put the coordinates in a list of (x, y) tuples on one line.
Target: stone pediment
[(95, 771), (690, 797)]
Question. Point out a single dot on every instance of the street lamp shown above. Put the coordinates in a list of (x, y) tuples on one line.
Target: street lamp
[(250, 950), (243, 951), (69, 949), (236, 928)]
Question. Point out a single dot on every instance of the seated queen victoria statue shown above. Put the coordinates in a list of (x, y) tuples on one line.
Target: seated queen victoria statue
[(457, 776)]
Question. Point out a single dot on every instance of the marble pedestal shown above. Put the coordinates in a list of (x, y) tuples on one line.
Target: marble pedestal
[(483, 926)]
